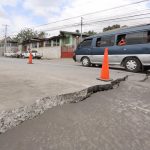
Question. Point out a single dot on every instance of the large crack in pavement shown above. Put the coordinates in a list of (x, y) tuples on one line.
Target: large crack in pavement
[(146, 76), (12, 118)]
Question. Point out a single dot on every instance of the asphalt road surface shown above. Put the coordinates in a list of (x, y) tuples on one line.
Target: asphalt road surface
[(117, 119)]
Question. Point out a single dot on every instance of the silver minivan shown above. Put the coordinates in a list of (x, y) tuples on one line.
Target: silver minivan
[(128, 47)]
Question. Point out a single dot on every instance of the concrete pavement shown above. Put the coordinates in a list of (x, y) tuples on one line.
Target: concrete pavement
[(28, 90), (117, 119)]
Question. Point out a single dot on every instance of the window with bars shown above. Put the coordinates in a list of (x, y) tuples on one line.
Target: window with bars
[(48, 43), (56, 42)]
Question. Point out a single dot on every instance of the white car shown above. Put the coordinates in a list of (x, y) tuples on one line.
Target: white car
[(9, 54), (35, 54), (25, 54), (18, 54)]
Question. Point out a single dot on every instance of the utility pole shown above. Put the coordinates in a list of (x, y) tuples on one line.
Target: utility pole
[(5, 44), (81, 27)]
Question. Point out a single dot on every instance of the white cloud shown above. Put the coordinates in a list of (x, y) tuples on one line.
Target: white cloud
[(80, 7), (20, 22), (2, 13), (15, 21), (45, 8), (8, 2), (15, 24), (53, 10)]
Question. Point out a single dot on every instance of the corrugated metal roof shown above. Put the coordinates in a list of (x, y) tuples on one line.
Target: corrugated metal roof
[(73, 33)]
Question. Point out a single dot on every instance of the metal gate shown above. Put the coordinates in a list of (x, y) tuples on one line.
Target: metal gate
[(67, 51)]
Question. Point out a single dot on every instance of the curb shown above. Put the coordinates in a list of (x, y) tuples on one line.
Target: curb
[(12, 118)]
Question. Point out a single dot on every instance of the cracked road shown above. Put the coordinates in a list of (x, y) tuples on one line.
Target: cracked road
[(117, 119)]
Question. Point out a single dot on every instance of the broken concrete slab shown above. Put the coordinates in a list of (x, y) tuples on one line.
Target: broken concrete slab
[(28, 90)]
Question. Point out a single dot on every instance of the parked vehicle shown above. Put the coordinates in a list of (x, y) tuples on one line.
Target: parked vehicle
[(133, 53), (18, 54), (9, 54), (25, 54), (35, 54)]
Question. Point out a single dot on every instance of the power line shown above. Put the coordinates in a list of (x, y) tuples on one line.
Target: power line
[(104, 10), (5, 45), (85, 24), (81, 27), (95, 21), (91, 22), (60, 27), (122, 21), (106, 20), (137, 2), (123, 15)]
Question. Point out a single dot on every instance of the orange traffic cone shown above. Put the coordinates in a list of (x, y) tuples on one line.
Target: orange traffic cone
[(104, 76), (30, 58)]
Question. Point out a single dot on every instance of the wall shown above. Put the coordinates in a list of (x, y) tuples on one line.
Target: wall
[(29, 46), (20, 47), (49, 52), (1, 51), (9, 48)]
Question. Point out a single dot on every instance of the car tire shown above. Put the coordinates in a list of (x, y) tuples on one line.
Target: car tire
[(132, 64), (86, 62)]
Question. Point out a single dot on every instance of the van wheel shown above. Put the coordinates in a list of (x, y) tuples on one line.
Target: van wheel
[(132, 64), (86, 62)]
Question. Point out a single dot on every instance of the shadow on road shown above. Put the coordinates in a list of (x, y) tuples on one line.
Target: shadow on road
[(146, 69)]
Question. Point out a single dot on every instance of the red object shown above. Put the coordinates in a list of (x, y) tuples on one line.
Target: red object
[(67, 51), (105, 67), (66, 54), (30, 58), (122, 42)]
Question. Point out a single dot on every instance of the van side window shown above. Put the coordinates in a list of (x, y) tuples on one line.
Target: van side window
[(86, 43), (105, 41), (136, 38), (98, 42), (148, 37)]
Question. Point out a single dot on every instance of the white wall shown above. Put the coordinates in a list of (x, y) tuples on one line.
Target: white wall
[(20, 47), (8, 49), (1, 51), (49, 52)]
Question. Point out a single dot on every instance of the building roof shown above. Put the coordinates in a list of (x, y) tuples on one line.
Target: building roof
[(73, 33), (9, 40), (53, 37), (50, 38), (31, 40), (39, 39)]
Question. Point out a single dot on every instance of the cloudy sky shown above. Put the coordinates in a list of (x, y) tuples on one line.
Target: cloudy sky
[(20, 14)]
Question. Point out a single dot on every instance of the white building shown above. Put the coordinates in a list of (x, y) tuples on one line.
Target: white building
[(61, 46), (11, 46)]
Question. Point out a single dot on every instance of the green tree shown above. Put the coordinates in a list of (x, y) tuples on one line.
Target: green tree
[(41, 34), (111, 27), (124, 26), (91, 32), (26, 34), (77, 31)]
